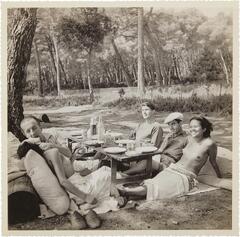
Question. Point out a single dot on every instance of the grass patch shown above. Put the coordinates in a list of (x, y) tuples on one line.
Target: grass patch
[(56, 102), (220, 104)]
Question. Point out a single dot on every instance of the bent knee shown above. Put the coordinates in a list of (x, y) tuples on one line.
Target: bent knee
[(52, 151), (61, 205)]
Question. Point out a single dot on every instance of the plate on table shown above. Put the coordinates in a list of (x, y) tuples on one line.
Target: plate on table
[(115, 134), (146, 149), (93, 142), (124, 141), (115, 150)]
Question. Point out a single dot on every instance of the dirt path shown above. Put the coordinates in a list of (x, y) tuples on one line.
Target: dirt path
[(209, 210)]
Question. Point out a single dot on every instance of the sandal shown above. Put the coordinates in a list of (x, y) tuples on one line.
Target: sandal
[(92, 219), (77, 221)]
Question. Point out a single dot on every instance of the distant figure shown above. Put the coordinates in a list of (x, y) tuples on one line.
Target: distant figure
[(180, 178)]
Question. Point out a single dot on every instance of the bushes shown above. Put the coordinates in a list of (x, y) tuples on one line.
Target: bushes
[(221, 104)]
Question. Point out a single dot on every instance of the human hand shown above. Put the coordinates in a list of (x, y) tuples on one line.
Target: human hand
[(91, 199), (46, 146), (123, 175)]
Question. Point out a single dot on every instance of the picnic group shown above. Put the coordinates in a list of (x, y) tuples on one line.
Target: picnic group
[(83, 190)]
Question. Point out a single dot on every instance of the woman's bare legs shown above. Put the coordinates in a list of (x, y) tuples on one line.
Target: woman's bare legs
[(54, 157)]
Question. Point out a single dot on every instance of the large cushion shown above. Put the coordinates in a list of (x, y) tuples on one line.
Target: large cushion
[(208, 176), (15, 165), (46, 183)]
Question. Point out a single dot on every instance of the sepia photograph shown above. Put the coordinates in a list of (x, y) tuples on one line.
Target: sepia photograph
[(120, 117)]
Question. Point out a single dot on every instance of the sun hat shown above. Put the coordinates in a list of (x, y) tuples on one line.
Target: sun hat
[(173, 116)]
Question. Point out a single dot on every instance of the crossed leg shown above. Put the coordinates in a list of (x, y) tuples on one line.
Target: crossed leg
[(55, 158)]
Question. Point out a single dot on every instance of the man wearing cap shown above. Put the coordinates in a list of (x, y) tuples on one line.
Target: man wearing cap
[(173, 143), (171, 147)]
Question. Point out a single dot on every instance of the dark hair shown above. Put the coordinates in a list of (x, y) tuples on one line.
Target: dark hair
[(178, 120), (205, 124), (148, 104)]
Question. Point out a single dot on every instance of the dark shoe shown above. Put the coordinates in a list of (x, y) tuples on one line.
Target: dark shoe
[(92, 219), (77, 221), (122, 201)]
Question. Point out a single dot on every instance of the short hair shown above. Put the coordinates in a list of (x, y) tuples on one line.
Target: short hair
[(205, 124), (178, 120), (149, 105), (30, 117)]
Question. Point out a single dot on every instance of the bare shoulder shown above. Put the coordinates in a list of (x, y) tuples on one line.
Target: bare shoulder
[(210, 144)]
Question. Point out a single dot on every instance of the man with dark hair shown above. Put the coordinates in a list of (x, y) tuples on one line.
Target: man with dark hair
[(171, 147), (173, 143)]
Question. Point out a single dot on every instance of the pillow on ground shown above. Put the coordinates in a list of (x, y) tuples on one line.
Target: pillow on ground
[(14, 163), (208, 176), (46, 183)]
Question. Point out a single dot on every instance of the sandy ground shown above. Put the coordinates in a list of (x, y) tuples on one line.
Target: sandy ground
[(209, 210)]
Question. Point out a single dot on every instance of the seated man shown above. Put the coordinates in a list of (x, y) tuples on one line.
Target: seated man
[(171, 146), (57, 155)]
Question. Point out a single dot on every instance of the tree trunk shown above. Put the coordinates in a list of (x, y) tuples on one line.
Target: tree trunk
[(40, 85), (57, 65), (63, 71), (155, 54), (125, 70), (224, 66), (91, 93), (19, 51), (141, 86)]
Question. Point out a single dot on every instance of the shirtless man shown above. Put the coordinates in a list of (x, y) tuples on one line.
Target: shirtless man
[(180, 178)]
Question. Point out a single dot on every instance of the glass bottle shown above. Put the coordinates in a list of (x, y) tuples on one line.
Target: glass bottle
[(100, 129)]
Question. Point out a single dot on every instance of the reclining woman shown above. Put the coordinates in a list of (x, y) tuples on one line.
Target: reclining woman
[(179, 178)]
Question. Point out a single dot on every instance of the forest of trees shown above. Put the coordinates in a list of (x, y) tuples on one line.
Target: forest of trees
[(86, 48), (52, 49)]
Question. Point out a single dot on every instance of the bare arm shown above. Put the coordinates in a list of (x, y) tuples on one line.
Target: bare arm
[(157, 136), (63, 150), (212, 159)]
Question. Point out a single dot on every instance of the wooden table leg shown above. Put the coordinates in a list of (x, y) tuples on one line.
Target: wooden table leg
[(114, 191), (149, 167)]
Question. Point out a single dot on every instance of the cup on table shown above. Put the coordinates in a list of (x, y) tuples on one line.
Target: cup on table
[(131, 146)]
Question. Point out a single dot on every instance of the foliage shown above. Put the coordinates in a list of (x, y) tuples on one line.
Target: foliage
[(206, 68), (85, 30), (179, 47), (221, 104)]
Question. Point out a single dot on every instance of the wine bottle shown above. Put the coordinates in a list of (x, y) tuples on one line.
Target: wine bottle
[(100, 129)]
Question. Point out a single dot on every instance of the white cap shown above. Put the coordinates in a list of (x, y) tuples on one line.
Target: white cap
[(173, 116)]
